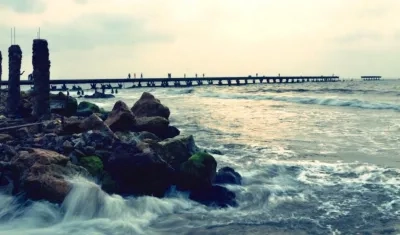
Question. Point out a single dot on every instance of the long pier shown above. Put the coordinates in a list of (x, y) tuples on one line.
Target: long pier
[(179, 82)]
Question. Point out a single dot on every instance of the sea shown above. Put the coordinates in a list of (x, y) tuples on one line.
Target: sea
[(316, 158)]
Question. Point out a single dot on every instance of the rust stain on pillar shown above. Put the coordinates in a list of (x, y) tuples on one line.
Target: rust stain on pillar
[(41, 78), (14, 67)]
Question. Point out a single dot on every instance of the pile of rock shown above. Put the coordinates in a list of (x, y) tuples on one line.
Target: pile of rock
[(132, 152)]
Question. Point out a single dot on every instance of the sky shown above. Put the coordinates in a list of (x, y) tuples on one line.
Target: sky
[(111, 38)]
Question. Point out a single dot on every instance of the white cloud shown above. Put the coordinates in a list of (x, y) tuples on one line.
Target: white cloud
[(113, 37)]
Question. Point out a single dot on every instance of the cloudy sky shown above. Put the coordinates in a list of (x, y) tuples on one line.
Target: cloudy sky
[(110, 38)]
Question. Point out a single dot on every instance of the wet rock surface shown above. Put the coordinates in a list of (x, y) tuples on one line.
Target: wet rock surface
[(132, 152)]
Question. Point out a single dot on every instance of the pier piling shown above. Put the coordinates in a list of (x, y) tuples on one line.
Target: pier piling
[(14, 74), (41, 78), (1, 67)]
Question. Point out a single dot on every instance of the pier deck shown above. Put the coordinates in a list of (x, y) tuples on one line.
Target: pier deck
[(192, 81)]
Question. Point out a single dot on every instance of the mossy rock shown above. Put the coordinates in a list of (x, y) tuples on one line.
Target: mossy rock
[(88, 106), (198, 172), (93, 164)]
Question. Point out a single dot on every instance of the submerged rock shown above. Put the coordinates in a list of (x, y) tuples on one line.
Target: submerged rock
[(215, 195), (228, 175), (121, 118), (98, 95), (149, 106)]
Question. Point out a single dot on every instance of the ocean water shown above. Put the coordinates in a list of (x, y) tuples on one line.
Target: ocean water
[(316, 158)]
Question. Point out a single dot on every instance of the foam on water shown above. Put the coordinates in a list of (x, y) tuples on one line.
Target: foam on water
[(286, 153), (354, 103), (311, 196)]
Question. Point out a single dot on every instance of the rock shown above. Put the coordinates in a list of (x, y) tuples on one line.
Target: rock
[(96, 124), (135, 137), (6, 152), (99, 139), (85, 109), (139, 172), (228, 175), (98, 95), (72, 127), (5, 137), (22, 133), (121, 118), (79, 153), (145, 135), (155, 125), (177, 150), (67, 146), (93, 164), (197, 173), (104, 155), (93, 122), (25, 107), (63, 105), (45, 170), (172, 132), (217, 196), (108, 184), (89, 150), (149, 106)]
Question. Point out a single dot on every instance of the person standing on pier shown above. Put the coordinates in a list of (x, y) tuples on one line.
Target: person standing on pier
[(141, 75), (129, 75)]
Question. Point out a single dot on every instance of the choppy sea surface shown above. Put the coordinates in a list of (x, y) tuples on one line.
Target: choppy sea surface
[(316, 158)]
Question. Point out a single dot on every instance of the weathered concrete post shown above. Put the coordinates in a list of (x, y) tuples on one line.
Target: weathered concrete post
[(1, 68), (14, 73), (41, 78)]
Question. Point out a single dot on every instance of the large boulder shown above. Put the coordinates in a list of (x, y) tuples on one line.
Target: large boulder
[(40, 174), (197, 173), (176, 151), (121, 118), (139, 171), (156, 125), (149, 106), (228, 175), (63, 105)]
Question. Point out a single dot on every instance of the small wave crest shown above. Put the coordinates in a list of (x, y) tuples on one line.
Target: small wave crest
[(354, 103)]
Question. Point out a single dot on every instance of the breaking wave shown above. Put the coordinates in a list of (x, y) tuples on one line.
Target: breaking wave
[(354, 103)]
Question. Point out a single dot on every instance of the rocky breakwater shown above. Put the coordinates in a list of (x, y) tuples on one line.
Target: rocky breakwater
[(134, 151)]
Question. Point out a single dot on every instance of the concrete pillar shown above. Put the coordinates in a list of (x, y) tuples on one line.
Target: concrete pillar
[(1, 68), (41, 78), (14, 74)]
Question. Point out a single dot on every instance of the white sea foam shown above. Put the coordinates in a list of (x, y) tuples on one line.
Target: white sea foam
[(354, 103)]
